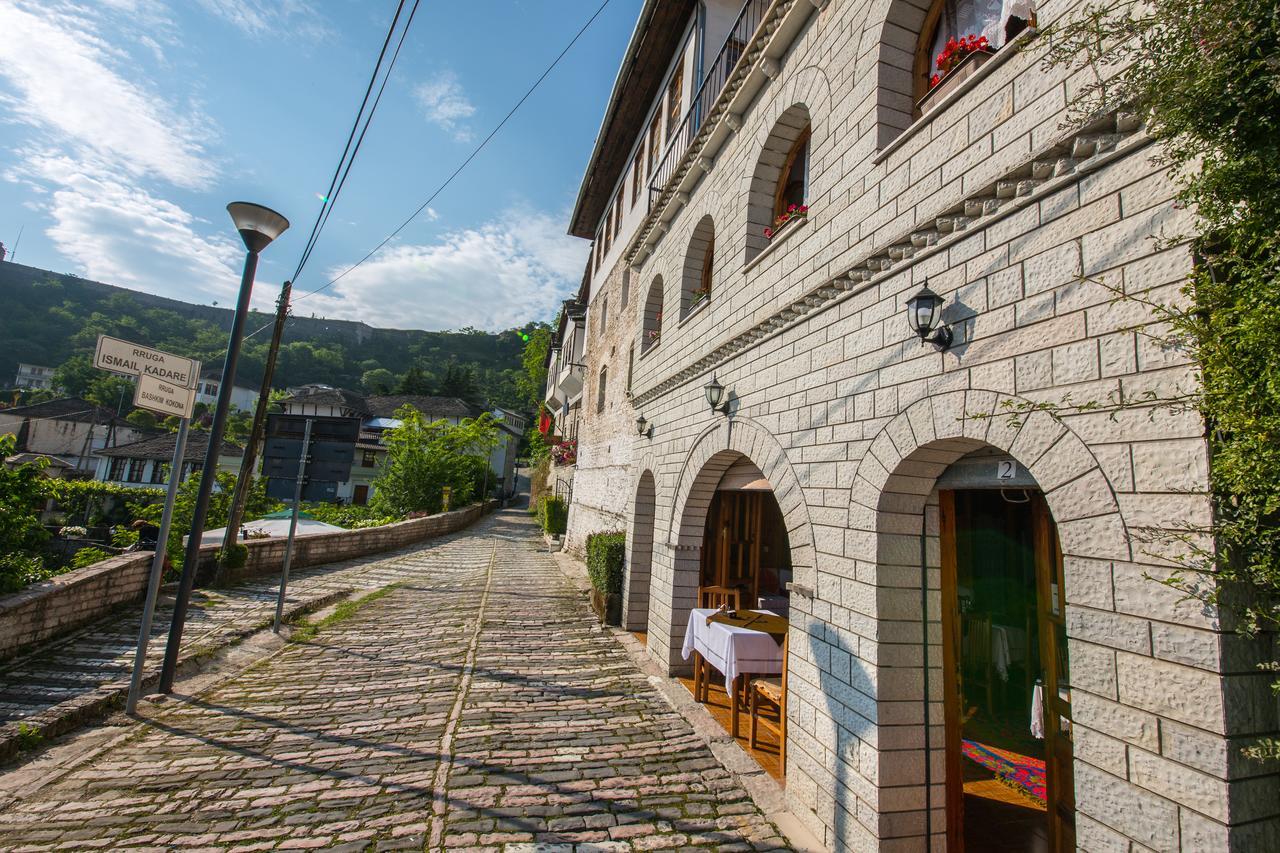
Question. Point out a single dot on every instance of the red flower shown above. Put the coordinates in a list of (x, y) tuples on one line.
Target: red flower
[(768, 233)]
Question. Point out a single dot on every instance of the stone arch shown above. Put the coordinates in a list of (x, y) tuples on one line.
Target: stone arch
[(894, 523), (717, 448), (651, 317), (890, 59), (641, 529), (698, 260), (794, 122)]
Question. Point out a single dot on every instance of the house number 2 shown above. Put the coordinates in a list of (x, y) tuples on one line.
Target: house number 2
[(1006, 469)]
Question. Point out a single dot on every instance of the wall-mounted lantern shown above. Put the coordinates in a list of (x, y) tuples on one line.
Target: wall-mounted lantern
[(643, 427), (716, 396), (924, 314)]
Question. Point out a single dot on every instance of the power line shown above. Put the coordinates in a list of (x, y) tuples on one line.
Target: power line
[(474, 153), (352, 147)]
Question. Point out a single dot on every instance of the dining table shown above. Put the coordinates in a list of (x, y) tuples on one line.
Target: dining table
[(729, 644)]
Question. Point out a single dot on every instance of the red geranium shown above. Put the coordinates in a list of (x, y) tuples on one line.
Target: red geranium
[(954, 51)]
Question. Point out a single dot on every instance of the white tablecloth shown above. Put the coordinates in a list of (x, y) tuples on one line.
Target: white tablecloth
[(731, 650)]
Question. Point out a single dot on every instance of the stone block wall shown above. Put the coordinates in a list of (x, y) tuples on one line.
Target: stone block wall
[(1047, 238), (76, 598)]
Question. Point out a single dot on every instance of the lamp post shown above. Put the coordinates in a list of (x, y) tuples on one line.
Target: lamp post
[(258, 226), (714, 392)]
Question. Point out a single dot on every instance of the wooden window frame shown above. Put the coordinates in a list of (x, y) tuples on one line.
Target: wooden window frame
[(636, 177), (675, 99), (802, 141), (708, 262)]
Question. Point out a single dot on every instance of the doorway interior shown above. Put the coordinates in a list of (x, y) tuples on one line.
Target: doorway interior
[(1007, 701)]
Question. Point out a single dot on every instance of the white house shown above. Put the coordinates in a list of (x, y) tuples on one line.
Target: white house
[(146, 463), (242, 397), (34, 376), (69, 429)]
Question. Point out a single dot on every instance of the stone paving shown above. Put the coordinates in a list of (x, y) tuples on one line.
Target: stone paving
[(474, 706)]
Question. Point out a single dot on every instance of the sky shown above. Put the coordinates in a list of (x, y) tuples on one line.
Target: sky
[(126, 126)]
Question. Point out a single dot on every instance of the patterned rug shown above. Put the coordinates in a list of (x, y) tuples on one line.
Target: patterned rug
[(1022, 773)]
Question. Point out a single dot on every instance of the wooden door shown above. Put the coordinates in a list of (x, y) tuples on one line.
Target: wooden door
[(1051, 609), (361, 496), (1052, 638), (731, 552)]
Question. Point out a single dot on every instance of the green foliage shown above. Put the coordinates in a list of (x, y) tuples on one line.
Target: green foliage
[(233, 557), (1205, 76), (18, 571), (532, 383), (606, 553), (422, 458), (538, 480), (377, 381), (21, 495), (553, 514), (89, 556), (142, 418), (108, 502), (349, 515)]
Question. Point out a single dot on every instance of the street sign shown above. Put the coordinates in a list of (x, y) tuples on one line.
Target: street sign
[(124, 357), (164, 397), (330, 447)]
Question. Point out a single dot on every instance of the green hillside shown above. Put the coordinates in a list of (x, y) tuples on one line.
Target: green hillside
[(54, 319)]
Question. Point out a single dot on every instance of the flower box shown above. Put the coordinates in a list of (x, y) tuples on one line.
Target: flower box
[(952, 80)]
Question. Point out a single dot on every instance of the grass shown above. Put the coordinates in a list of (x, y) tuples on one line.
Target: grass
[(306, 630)]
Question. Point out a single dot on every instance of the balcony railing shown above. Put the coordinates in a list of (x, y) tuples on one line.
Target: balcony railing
[(740, 35)]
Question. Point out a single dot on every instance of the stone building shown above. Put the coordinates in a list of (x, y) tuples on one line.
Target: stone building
[(963, 508)]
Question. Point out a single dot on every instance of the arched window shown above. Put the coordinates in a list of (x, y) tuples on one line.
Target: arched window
[(780, 179), (699, 261), (651, 323), (953, 29), (604, 381), (793, 184)]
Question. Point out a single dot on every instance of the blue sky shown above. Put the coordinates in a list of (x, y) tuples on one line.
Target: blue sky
[(127, 125)]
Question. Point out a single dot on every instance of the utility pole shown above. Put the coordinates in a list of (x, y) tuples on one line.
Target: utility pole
[(247, 465)]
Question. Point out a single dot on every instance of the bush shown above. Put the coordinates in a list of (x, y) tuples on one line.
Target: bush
[(349, 516), (18, 571), (538, 481), (553, 514), (234, 557), (89, 556), (606, 553)]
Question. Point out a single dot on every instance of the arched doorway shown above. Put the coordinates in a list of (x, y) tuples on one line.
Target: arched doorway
[(636, 581), (1005, 670)]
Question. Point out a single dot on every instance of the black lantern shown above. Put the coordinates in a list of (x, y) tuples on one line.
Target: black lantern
[(715, 395), (924, 310), (642, 426)]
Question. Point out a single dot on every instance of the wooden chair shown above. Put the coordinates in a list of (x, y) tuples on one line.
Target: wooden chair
[(977, 666), (771, 689), (717, 596)]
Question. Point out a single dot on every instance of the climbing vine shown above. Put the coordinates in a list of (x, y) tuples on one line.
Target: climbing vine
[(1204, 75)]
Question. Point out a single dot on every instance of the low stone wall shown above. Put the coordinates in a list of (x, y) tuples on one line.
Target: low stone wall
[(68, 601)]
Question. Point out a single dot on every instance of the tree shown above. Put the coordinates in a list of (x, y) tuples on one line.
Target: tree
[(21, 536), (378, 381), (424, 457), (142, 419), (75, 375), (414, 381), (532, 383), (458, 381)]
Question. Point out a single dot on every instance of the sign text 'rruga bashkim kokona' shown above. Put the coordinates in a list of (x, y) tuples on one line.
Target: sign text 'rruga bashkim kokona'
[(165, 398), (124, 357)]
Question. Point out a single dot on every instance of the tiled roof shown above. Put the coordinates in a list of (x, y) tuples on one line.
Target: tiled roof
[(67, 409), (330, 397), (433, 407), (161, 447)]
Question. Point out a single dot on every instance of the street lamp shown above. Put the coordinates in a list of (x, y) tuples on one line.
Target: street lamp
[(258, 226), (643, 427), (923, 315)]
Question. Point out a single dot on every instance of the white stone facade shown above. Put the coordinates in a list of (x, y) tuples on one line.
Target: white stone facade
[(1031, 225)]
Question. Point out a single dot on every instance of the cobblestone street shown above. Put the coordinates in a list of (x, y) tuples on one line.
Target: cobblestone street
[(474, 705)]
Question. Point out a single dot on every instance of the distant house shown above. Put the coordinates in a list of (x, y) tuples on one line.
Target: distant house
[(34, 376), (207, 391), (377, 415), (147, 462), (71, 430)]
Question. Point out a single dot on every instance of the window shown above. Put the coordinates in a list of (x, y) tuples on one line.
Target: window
[(699, 261), (655, 142), (636, 177), (631, 365), (159, 471), (626, 286), (994, 20), (793, 184), (651, 323), (604, 313), (369, 459), (117, 470), (604, 380), (675, 96)]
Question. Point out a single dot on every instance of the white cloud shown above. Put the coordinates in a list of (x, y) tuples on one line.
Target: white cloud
[(63, 81), (119, 233), (259, 17), (500, 275), (445, 103)]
